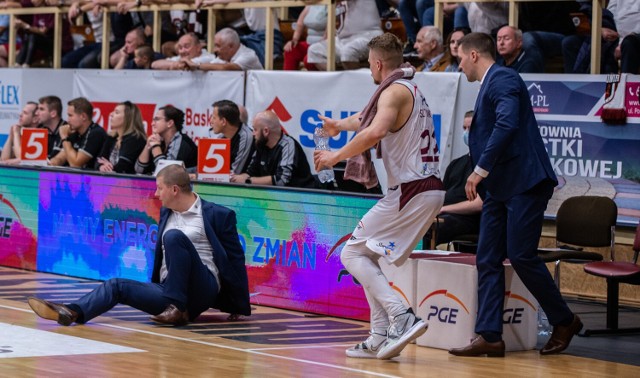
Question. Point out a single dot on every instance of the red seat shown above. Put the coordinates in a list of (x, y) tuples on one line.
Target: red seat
[(616, 272)]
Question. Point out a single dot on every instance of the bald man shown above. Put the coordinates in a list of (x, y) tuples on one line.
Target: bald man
[(278, 160), (190, 56)]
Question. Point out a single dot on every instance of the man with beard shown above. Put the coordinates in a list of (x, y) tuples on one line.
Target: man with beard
[(279, 160), (398, 121), (226, 123)]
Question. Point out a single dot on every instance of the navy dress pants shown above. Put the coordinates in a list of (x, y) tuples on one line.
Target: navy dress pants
[(189, 285)]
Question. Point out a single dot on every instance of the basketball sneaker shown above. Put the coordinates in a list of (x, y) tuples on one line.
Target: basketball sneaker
[(368, 348), (403, 329)]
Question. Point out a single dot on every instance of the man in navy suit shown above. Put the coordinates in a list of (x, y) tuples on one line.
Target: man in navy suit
[(199, 263), (510, 161)]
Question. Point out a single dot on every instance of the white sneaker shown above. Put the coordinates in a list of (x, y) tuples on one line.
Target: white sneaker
[(368, 348), (403, 329)]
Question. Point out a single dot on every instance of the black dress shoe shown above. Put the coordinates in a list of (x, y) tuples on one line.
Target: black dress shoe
[(480, 347), (53, 311), (171, 315), (561, 337)]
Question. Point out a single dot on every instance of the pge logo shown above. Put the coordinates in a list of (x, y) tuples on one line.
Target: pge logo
[(444, 314), (538, 98), (102, 110), (513, 315), (6, 221)]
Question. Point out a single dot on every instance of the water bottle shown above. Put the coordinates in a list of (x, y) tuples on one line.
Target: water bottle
[(321, 139), (544, 328)]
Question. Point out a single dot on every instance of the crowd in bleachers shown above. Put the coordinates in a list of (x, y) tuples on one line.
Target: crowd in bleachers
[(550, 37)]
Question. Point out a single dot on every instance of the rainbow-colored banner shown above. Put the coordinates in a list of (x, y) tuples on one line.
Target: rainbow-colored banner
[(96, 226)]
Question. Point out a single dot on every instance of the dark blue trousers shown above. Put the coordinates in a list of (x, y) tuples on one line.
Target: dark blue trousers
[(511, 229), (189, 285)]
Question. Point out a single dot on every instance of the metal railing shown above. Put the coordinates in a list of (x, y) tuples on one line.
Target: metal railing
[(156, 9)]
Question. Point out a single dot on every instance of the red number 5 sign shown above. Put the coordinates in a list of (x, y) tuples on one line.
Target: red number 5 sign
[(34, 145), (214, 159)]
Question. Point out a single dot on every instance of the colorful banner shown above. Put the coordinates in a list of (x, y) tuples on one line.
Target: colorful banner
[(292, 246), (19, 198), (95, 226), (589, 156)]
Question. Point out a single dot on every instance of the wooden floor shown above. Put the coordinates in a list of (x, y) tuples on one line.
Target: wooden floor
[(270, 343)]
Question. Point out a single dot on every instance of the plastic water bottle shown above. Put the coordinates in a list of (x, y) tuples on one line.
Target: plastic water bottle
[(321, 139), (544, 328)]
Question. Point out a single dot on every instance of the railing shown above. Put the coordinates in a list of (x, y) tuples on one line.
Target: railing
[(596, 20), (278, 4), (156, 9)]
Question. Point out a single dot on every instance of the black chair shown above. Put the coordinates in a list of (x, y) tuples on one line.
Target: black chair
[(583, 221), (467, 243), (616, 272)]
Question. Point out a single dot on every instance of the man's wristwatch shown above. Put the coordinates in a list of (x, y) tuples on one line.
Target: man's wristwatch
[(248, 180)]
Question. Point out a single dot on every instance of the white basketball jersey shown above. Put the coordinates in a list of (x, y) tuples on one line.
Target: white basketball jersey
[(411, 153)]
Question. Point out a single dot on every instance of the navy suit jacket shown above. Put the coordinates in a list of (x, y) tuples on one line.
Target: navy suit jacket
[(504, 138), (220, 227)]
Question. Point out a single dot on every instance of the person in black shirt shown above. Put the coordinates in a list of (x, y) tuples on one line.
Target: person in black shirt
[(278, 160), (458, 216), (167, 142), (125, 142), (225, 123), (49, 114), (82, 139)]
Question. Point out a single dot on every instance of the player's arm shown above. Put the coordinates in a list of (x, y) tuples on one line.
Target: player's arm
[(389, 105), (335, 126)]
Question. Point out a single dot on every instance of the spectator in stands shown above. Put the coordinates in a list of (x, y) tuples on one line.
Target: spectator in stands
[(190, 53), (509, 47), (544, 25), (168, 30), (82, 139), (87, 55), (143, 57), (49, 115), (256, 22), (199, 263), (4, 40), (123, 58), (485, 17), (167, 142), (626, 14), (125, 141), (231, 55), (386, 8), (358, 24), (458, 216), (313, 19), (38, 36), (225, 123), (411, 13), (12, 148), (431, 50), (576, 49), (279, 159), (452, 41)]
